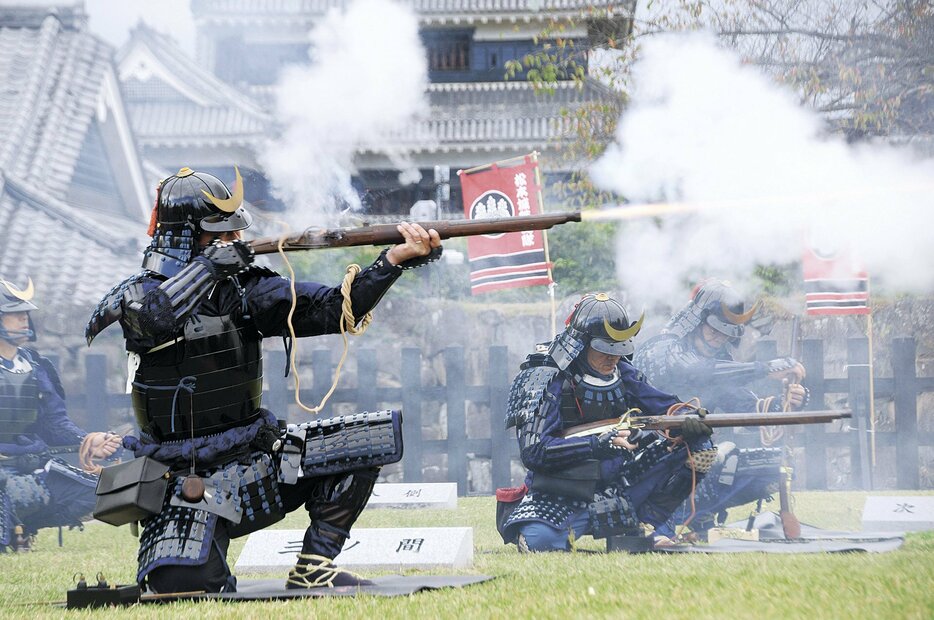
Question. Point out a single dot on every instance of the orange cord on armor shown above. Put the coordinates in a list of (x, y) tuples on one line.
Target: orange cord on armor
[(692, 404), (153, 220)]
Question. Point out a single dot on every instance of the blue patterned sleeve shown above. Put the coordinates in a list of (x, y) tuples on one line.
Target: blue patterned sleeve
[(540, 446), (53, 425)]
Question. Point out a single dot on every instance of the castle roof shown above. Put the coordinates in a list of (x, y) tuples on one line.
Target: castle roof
[(72, 191), (175, 103), (439, 12)]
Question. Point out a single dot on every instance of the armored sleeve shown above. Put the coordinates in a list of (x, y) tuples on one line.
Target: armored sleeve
[(155, 309), (184, 291), (146, 314), (318, 307), (673, 365), (540, 446)]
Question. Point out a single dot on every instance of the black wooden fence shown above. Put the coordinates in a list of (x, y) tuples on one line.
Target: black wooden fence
[(818, 442)]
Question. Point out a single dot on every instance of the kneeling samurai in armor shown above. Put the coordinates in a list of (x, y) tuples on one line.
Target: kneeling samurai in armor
[(38, 490), (692, 358), (194, 320), (601, 485)]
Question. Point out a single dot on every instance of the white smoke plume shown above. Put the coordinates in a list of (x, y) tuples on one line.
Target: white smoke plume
[(366, 81), (703, 128)]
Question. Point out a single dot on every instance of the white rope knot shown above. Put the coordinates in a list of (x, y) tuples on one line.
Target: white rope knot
[(347, 317), (316, 572), (768, 435)]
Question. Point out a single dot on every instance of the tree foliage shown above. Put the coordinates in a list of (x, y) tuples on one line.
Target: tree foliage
[(866, 65)]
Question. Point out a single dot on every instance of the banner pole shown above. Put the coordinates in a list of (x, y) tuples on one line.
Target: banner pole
[(551, 278), (502, 164), (872, 381)]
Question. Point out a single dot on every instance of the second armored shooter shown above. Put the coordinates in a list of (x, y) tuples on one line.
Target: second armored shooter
[(600, 485)]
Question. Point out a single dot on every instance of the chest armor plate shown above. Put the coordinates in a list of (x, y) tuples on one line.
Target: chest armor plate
[(19, 403), (583, 402), (226, 360)]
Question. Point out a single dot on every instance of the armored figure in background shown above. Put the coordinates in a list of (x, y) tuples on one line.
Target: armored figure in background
[(37, 490), (692, 358), (194, 320), (606, 484)]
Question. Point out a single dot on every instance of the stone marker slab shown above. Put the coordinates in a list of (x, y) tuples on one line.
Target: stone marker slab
[(373, 548), (440, 495), (898, 513)]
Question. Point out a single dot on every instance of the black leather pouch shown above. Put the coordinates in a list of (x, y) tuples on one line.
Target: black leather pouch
[(131, 491), (577, 482)]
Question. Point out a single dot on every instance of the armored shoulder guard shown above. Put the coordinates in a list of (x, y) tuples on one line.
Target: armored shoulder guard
[(259, 271), (539, 358), (110, 309), (528, 390)]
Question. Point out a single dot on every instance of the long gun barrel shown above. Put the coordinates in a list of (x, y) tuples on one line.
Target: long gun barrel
[(381, 234), (715, 420)]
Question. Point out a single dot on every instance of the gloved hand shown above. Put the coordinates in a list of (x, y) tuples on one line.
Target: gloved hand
[(786, 368), (796, 396), (694, 428), (605, 448), (228, 258)]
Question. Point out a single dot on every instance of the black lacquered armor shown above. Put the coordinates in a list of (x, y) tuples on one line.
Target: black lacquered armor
[(19, 403), (226, 361)]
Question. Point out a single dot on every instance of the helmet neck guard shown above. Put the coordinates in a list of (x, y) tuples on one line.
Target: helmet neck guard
[(188, 204), (598, 321)]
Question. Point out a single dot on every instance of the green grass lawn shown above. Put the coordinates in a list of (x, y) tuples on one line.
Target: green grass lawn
[(591, 585)]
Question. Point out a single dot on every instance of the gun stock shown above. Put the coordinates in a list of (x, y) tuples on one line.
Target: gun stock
[(714, 420), (383, 234)]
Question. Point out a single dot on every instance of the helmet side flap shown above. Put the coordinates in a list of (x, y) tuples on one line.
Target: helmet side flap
[(188, 204), (598, 321)]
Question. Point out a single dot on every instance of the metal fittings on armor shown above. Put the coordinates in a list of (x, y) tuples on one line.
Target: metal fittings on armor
[(229, 258)]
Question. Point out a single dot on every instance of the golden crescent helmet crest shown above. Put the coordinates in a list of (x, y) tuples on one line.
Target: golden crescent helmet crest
[(24, 294)]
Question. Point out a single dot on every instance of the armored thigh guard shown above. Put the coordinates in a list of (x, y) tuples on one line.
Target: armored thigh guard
[(26, 497), (175, 537), (738, 477), (545, 508), (242, 497), (71, 496), (342, 444), (659, 480), (611, 513)]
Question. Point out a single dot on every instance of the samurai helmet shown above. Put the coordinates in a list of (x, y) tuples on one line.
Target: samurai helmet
[(716, 303), (189, 203), (599, 321), (13, 299)]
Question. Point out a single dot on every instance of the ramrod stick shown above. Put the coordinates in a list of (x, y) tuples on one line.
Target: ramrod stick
[(382, 234)]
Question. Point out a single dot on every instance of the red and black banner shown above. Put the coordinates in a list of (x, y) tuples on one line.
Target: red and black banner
[(506, 260), (834, 284)]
